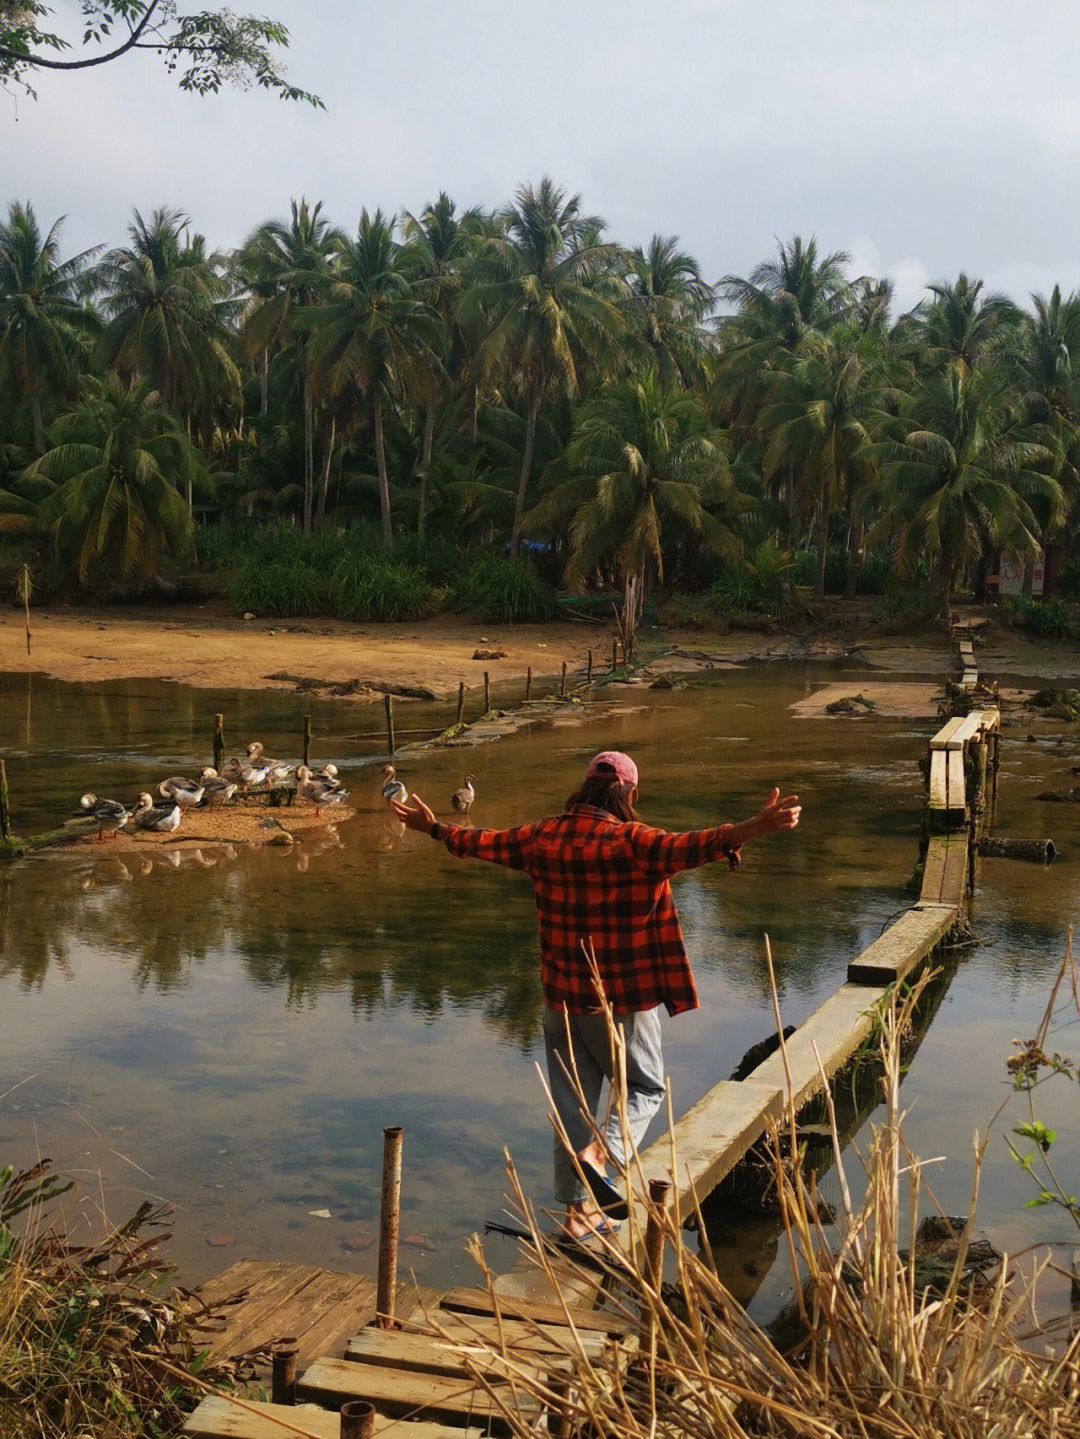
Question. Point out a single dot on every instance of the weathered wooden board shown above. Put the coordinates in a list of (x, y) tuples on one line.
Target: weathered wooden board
[(969, 679), (253, 1321), (945, 870), (221, 1419), (429, 1397), (712, 1136), (945, 800), (970, 726), (904, 945), (424, 1354), (402, 1349), (945, 734), (479, 1301), (837, 1028), (955, 785)]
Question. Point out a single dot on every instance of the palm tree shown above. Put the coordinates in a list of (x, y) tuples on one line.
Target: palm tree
[(111, 501), (670, 302), (285, 268), (961, 469), (548, 302), (960, 324), (645, 474), (817, 414), (42, 313), (373, 332)]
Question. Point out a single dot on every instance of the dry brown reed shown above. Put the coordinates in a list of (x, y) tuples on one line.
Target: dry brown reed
[(877, 1354)]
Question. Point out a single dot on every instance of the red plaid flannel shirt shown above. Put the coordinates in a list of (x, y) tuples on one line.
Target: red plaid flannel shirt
[(601, 880)]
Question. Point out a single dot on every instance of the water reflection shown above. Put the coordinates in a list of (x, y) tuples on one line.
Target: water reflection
[(241, 1024)]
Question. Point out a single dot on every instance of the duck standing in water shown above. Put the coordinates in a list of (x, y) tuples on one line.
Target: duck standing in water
[(392, 787), (110, 814), (314, 790), (462, 798), (185, 792), (215, 787), (162, 818)]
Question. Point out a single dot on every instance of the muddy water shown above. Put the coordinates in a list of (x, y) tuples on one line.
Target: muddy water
[(232, 1033)]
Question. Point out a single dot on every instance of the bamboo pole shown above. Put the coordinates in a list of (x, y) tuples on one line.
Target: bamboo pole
[(389, 1213), (460, 702), (588, 670), (487, 693), (219, 743), (528, 684), (562, 687), (5, 817), (389, 702), (307, 740)]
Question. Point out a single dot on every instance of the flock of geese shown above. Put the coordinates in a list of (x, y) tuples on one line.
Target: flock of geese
[(256, 771), (242, 776)]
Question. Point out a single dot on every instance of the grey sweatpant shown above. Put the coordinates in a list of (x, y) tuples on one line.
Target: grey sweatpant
[(590, 1045)]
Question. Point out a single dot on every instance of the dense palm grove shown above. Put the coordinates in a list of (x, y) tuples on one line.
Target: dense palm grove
[(478, 405)]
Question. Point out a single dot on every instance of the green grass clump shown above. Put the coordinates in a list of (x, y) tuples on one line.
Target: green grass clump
[(504, 590), (371, 587), (284, 588)]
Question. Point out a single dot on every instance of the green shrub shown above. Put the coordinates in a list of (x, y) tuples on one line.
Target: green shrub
[(279, 587), (875, 573), (803, 567), (373, 587), (504, 590), (1048, 618), (1069, 580), (906, 607), (692, 611)]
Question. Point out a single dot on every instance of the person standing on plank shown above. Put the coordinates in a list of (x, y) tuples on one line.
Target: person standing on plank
[(601, 880)]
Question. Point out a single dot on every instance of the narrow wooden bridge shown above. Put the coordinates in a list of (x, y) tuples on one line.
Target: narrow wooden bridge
[(422, 1387)]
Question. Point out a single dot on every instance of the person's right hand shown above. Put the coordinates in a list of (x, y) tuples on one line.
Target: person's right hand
[(419, 817), (777, 814)]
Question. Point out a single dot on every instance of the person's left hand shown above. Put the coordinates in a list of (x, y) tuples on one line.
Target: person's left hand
[(419, 817)]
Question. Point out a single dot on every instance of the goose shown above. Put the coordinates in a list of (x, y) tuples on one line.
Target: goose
[(315, 790), (462, 798), (110, 814), (216, 788), (276, 769), (164, 818), (186, 792), (328, 774), (392, 786), (247, 775)]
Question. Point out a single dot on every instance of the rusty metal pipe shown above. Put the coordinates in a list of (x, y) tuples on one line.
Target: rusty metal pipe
[(389, 1214), (357, 1419), (654, 1255), (283, 1372)]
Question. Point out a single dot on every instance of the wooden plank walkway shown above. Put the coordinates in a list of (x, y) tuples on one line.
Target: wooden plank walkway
[(903, 945), (444, 1398), (220, 1418)]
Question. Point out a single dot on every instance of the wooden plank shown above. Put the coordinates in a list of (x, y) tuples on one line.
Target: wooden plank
[(955, 879), (894, 954), (230, 1281), (326, 1312), (969, 679), (939, 769), (546, 1340), (945, 734), (252, 1323), (991, 719), (934, 870), (479, 1301), (712, 1136), (945, 800), (432, 1397), (837, 1028), (218, 1418), (427, 1354), (955, 784), (968, 729)]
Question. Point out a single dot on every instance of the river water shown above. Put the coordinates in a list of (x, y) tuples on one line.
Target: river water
[(230, 1030)]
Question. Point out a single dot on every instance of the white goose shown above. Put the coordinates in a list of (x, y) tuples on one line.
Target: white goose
[(315, 791), (163, 818), (185, 792), (276, 769), (392, 786), (215, 787), (462, 798), (110, 814)]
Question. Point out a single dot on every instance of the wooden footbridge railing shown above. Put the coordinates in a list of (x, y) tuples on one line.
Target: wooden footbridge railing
[(394, 1378)]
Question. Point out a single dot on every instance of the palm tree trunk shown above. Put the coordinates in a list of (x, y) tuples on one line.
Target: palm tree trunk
[(264, 382), (855, 544), (946, 593), (380, 463), (39, 428), (324, 476), (526, 467), (309, 457), (822, 550), (425, 463)]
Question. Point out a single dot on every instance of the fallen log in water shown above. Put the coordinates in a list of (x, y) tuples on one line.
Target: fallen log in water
[(1034, 851), (12, 848)]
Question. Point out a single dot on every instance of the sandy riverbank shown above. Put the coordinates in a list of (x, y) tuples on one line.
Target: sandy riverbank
[(212, 648)]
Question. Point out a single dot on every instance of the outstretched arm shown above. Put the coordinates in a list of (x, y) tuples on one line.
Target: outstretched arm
[(662, 853), (509, 847)]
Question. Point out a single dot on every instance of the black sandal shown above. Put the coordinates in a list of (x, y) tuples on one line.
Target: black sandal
[(610, 1201)]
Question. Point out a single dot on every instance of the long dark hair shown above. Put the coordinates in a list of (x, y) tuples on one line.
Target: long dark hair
[(605, 791)]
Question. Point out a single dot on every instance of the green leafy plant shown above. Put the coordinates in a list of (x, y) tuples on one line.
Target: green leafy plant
[(507, 590), (371, 587)]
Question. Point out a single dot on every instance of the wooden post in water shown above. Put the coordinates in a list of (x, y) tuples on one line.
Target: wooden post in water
[(528, 684), (558, 1414), (588, 670), (283, 1374), (487, 693), (219, 743), (389, 1211), (357, 1420), (614, 655), (562, 687), (460, 702), (307, 739), (389, 701), (5, 817)]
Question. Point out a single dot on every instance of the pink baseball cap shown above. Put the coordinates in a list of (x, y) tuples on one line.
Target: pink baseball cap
[(622, 764)]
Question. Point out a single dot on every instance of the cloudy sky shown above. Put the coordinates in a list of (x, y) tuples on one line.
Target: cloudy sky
[(923, 136)]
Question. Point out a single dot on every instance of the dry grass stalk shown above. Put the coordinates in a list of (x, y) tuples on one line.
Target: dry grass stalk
[(877, 1355)]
